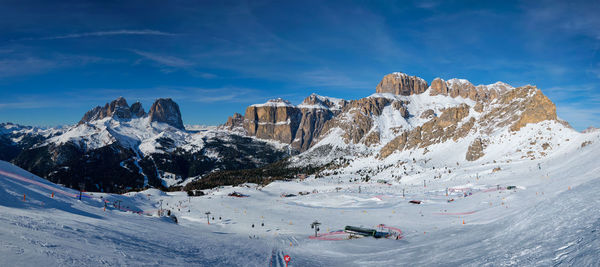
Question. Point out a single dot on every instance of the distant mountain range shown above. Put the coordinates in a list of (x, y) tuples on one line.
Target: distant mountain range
[(118, 147)]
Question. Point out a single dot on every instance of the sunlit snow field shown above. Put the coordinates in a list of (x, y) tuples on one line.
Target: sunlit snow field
[(551, 218)]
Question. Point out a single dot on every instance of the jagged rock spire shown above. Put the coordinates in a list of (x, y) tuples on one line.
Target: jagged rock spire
[(167, 111), (118, 109)]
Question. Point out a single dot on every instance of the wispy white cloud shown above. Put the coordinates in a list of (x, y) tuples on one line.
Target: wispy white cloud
[(225, 94), (103, 33), (168, 64), (22, 64), (99, 96), (27, 65), (329, 78), (170, 61)]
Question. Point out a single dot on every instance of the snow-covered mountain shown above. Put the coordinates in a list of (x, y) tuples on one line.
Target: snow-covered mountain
[(14, 138), (118, 146), (406, 119)]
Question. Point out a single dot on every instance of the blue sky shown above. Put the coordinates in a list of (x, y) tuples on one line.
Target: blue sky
[(58, 59)]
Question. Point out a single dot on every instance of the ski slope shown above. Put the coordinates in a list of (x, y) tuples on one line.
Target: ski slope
[(551, 218)]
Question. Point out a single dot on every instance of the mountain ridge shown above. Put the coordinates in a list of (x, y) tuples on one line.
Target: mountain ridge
[(404, 115)]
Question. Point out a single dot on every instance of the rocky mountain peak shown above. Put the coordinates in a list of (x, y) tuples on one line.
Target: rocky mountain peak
[(313, 99), (401, 84), (235, 121), (137, 110), (317, 101), (120, 102), (118, 109), (167, 111), (275, 103)]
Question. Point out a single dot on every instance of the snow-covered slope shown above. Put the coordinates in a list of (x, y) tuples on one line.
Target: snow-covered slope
[(63, 231), (139, 134), (467, 217)]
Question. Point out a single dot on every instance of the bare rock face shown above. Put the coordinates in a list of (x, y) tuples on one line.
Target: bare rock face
[(465, 89), (372, 138), (235, 121), (452, 115), (277, 120), (437, 130), (118, 109), (475, 150), (535, 109), (397, 143), (401, 84), (356, 119), (438, 87), (167, 111), (517, 108), (298, 126), (428, 114), (315, 112), (401, 106), (137, 110)]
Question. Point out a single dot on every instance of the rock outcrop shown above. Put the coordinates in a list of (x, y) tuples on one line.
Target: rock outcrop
[(356, 119), (512, 109), (401, 84), (276, 120), (298, 126), (137, 110), (465, 89), (315, 112), (167, 111), (590, 129), (235, 121), (117, 108), (516, 108), (475, 150), (535, 108), (437, 130)]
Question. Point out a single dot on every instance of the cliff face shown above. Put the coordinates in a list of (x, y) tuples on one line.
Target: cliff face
[(275, 120), (401, 84), (357, 119), (234, 122), (167, 111), (298, 125), (315, 112)]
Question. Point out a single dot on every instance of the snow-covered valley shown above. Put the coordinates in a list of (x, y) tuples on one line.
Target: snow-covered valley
[(466, 217)]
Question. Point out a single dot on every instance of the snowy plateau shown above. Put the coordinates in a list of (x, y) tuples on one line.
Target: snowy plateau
[(451, 174)]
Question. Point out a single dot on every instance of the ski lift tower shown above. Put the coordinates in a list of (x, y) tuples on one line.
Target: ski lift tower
[(207, 218), (315, 225)]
